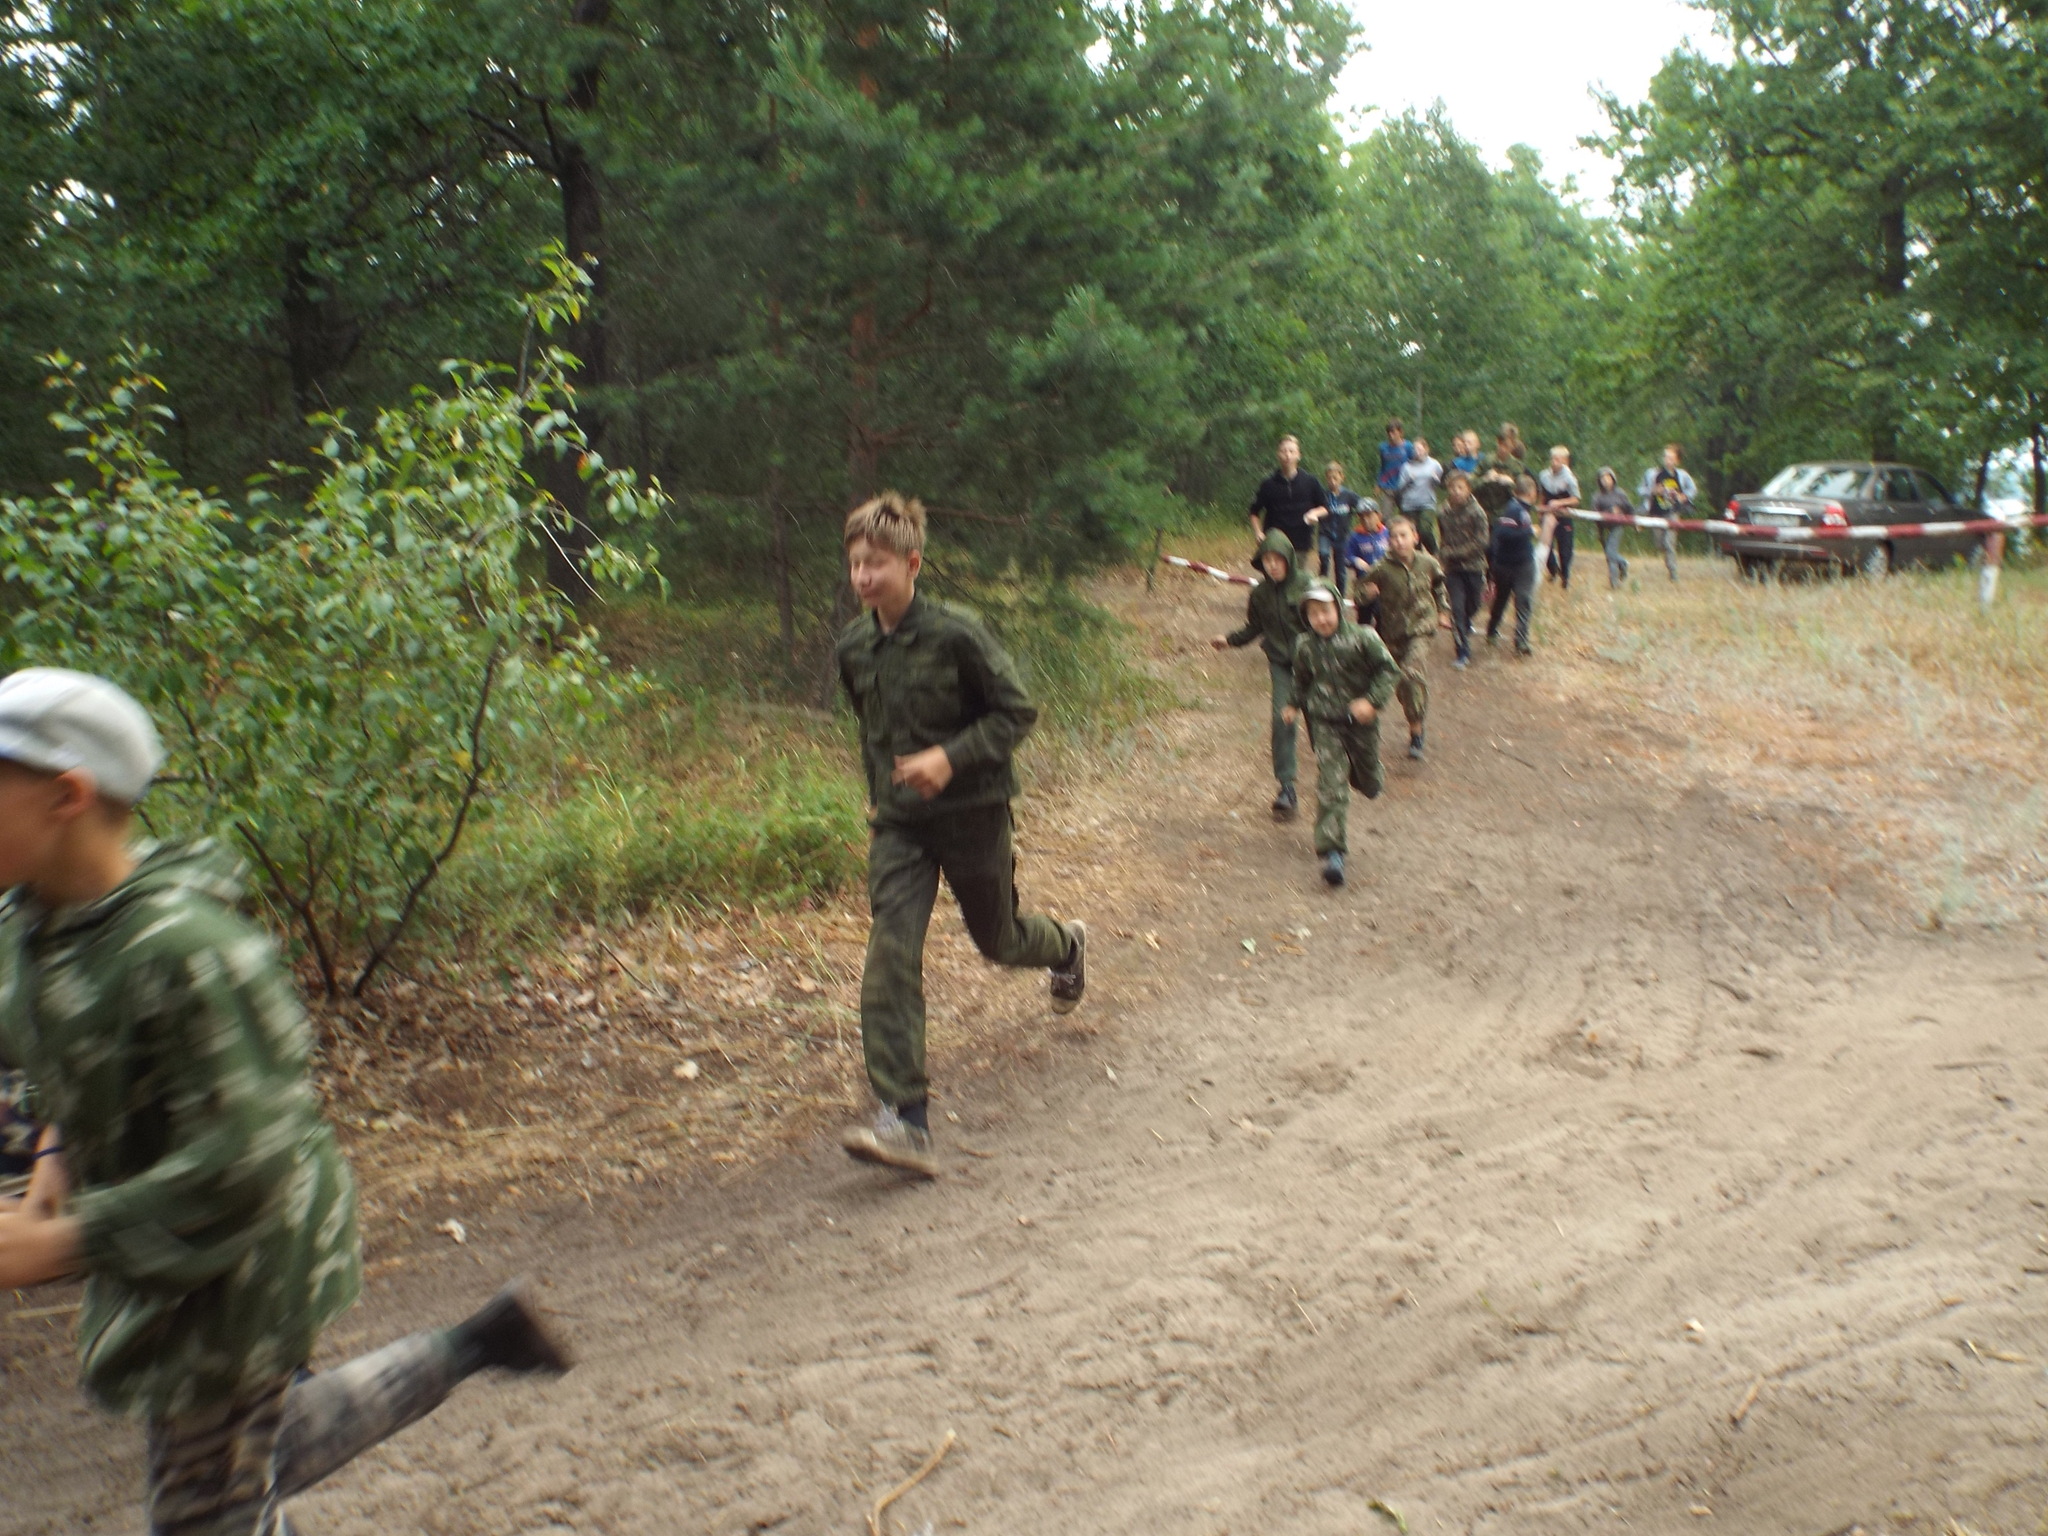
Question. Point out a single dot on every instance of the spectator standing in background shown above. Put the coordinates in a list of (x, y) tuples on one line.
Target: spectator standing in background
[(1465, 452), (1289, 501), (1394, 453), (1334, 530), (1668, 491), (1416, 492), (1557, 493), (1609, 497)]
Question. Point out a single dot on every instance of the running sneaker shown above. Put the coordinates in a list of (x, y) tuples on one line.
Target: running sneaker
[(505, 1333), (1461, 663), (1333, 868), (894, 1143), (1415, 746), (1069, 981), (1284, 803)]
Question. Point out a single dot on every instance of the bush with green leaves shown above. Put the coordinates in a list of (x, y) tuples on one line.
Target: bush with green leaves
[(337, 662)]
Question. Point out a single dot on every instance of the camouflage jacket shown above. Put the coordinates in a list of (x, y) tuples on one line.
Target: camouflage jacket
[(1352, 664), (1462, 534), (939, 680), (18, 1134), (166, 1041), (1411, 596), (1272, 614)]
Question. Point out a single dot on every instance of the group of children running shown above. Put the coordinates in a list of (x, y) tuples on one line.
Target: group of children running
[(1421, 557), (160, 1137)]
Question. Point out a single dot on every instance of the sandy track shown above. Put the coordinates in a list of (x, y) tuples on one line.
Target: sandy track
[(1413, 1206)]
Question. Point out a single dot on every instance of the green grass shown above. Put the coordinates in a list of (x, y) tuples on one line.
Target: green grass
[(719, 788)]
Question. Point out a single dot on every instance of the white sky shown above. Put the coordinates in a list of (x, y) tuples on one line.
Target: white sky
[(1515, 71)]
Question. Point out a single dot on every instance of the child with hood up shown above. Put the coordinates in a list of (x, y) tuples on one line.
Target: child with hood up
[(1272, 616)]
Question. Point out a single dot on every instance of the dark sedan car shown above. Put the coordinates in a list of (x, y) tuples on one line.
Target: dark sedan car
[(1846, 495)]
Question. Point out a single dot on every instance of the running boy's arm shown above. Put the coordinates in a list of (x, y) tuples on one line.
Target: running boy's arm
[(229, 1045), (989, 678), (1440, 590), (1247, 632)]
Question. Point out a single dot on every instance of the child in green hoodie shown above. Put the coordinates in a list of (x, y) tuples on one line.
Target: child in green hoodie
[(209, 1208), (1342, 677), (1272, 616)]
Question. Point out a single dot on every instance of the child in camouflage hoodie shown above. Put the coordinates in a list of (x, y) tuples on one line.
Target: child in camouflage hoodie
[(1272, 616), (1343, 676), (210, 1211)]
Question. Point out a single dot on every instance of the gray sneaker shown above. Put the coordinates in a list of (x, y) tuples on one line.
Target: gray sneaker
[(894, 1143), (1069, 981)]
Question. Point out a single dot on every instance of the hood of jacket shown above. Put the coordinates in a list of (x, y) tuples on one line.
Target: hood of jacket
[(1274, 543)]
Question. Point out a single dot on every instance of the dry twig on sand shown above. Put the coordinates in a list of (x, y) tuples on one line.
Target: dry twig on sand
[(1748, 1402), (931, 1465)]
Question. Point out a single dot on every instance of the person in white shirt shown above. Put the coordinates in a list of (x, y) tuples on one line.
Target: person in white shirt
[(1415, 492), (1558, 493)]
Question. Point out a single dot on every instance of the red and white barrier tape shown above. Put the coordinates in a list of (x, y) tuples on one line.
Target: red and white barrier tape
[(1210, 570), (1722, 525)]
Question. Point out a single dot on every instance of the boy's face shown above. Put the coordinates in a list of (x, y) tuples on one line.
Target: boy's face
[(1290, 457), (1335, 477), (882, 578), (1402, 540), (1671, 458), (1372, 519), (1274, 564), (1559, 458), (1322, 618), (1460, 493), (1394, 436)]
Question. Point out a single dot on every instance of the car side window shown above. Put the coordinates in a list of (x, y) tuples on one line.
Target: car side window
[(1933, 491), (1899, 486)]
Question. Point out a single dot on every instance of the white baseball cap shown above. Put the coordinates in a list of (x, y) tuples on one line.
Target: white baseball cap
[(56, 720)]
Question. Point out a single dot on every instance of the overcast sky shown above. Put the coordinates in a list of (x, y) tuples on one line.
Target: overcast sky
[(1514, 71)]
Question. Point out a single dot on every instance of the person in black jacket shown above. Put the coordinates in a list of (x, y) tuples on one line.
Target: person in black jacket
[(1290, 501), (1511, 562)]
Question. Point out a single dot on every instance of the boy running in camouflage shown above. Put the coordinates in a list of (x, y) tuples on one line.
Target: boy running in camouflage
[(941, 710), (214, 1220), (1413, 604), (1343, 678), (1272, 616)]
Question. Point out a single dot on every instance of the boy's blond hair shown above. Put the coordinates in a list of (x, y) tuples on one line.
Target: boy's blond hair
[(890, 521)]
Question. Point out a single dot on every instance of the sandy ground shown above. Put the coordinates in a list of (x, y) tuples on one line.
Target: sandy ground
[(1614, 1153)]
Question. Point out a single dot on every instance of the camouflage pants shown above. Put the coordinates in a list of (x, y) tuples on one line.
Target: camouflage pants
[(972, 849), (1347, 758), (1411, 655), (226, 1470)]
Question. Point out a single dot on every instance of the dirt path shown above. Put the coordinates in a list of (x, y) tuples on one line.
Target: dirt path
[(1490, 1193)]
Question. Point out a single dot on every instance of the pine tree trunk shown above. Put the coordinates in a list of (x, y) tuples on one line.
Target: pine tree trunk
[(583, 238)]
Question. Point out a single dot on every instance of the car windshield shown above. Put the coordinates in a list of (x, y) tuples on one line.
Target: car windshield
[(1816, 480)]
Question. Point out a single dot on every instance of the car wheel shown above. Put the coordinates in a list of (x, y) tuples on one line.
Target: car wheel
[(1877, 561)]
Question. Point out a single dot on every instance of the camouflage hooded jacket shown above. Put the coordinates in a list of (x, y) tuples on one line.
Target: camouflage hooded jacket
[(1272, 614), (1354, 663), (163, 1037)]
